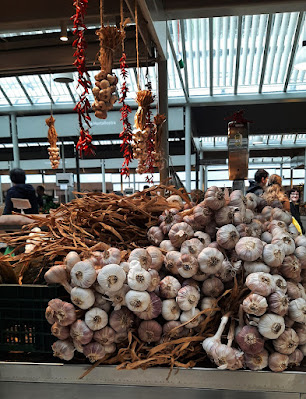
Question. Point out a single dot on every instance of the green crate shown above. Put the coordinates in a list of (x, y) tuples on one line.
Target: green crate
[(23, 326)]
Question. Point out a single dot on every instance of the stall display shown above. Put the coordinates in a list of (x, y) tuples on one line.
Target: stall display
[(223, 280)]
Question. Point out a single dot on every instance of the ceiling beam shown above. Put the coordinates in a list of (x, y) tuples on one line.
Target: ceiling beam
[(265, 54), (184, 55), (6, 96), (293, 51), (238, 55), (46, 89), (177, 65), (24, 90), (70, 93)]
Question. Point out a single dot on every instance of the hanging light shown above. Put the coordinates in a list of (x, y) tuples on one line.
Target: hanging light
[(63, 37), (300, 59), (64, 77)]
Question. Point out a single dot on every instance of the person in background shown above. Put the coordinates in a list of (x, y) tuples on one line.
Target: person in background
[(294, 198), (144, 188), (275, 194), (20, 190), (45, 202), (258, 185)]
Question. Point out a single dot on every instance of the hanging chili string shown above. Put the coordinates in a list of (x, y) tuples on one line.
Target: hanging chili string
[(82, 107), (127, 133)]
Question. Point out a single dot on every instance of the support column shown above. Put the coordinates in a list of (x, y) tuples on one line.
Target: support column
[(291, 178), (163, 109), (1, 193), (77, 165), (103, 175), (63, 157), (205, 178), (304, 193), (16, 162), (188, 148), (201, 172), (134, 181), (281, 169), (197, 169)]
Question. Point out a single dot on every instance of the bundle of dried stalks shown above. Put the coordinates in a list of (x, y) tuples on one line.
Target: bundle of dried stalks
[(144, 99)]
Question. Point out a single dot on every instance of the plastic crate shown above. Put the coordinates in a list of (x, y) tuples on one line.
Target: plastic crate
[(23, 326)]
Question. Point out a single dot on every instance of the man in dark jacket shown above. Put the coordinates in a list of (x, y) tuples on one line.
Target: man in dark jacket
[(20, 190), (258, 185)]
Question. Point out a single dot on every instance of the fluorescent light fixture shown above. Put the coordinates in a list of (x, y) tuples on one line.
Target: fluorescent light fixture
[(63, 36)]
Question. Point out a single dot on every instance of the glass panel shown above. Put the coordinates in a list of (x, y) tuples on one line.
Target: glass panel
[(297, 80), (14, 91), (3, 100), (58, 91), (35, 89)]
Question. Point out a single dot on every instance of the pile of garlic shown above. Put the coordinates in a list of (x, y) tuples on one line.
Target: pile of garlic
[(105, 86), (194, 257)]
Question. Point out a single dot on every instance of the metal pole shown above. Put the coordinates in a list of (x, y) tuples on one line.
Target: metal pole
[(103, 175), (201, 173), (304, 196), (163, 109), (134, 182), (291, 178), (188, 148), (197, 169), (77, 165), (1, 193), (205, 178), (63, 157), (16, 156), (281, 170)]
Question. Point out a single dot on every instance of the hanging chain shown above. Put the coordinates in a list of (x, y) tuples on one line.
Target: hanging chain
[(137, 44)]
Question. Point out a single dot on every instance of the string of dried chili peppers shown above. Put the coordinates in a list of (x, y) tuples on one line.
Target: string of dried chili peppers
[(82, 107), (127, 133)]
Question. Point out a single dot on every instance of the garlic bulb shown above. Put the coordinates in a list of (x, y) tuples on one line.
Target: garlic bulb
[(71, 259), (60, 332), (258, 361), (212, 287), (278, 214), (170, 310), (155, 280), (80, 332), (175, 201), (227, 236), (189, 266), (202, 215), (155, 235), (224, 216), (296, 357), (285, 241), (211, 230), (266, 237), (267, 212), (94, 351), (300, 241), (260, 283), (210, 260), (118, 297), (83, 274), (249, 248), (271, 326), (209, 303), (278, 362), (188, 297), (153, 310), (203, 237), (49, 315), (291, 267), (58, 275), (96, 319), (215, 198), (157, 258), (173, 329), (293, 231), (121, 338), (150, 331), (200, 276), (278, 303), (111, 278), (280, 283), (301, 332), (169, 287), (179, 233), (287, 342), (84, 298), (237, 199), (192, 247), (255, 304), (105, 336), (121, 320), (138, 279), (173, 261), (249, 215), (254, 267), (303, 349), (63, 349), (189, 315), (137, 301), (112, 256), (142, 256), (250, 340), (276, 225), (167, 246), (273, 255), (101, 302), (297, 310), (62, 312), (293, 290), (168, 219), (251, 201)]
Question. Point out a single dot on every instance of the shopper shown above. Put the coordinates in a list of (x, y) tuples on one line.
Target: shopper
[(45, 202), (20, 190), (275, 194), (258, 185), (294, 198)]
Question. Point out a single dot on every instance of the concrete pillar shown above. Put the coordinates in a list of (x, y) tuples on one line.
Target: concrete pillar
[(188, 148), (205, 178), (163, 109), (16, 156), (103, 175)]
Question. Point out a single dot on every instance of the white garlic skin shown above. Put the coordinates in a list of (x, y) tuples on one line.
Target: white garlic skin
[(280, 283), (173, 261), (301, 332), (258, 361), (278, 303), (105, 336), (260, 283), (142, 256), (189, 266), (169, 287), (84, 298), (209, 303), (249, 248), (170, 310), (139, 279), (71, 259), (227, 236), (157, 257), (188, 315), (271, 326), (118, 297), (296, 358), (188, 297), (96, 319), (273, 255), (255, 304), (278, 362), (297, 310), (111, 256), (192, 247), (137, 301), (83, 274), (111, 278), (210, 260), (287, 342), (255, 267), (63, 349)]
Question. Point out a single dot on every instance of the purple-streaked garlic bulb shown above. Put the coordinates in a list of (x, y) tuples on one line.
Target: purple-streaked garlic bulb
[(150, 331)]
